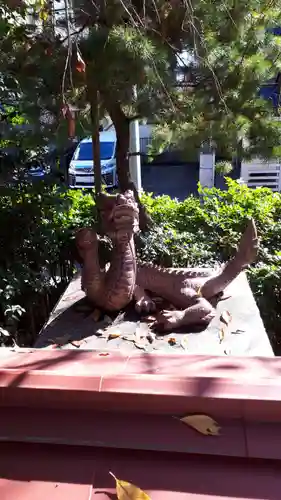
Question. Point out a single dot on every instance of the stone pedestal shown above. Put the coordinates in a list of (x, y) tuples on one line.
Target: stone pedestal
[(72, 320)]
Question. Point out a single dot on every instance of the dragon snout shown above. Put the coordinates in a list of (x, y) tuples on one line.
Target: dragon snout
[(85, 238)]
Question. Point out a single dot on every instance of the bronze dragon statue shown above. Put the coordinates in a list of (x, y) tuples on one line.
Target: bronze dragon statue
[(192, 291)]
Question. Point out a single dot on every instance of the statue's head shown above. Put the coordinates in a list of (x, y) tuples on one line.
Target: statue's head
[(119, 213), (85, 238)]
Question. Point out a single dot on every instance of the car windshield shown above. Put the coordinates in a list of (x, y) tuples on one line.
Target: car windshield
[(85, 151)]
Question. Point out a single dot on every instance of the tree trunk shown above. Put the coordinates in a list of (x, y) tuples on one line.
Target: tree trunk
[(122, 127)]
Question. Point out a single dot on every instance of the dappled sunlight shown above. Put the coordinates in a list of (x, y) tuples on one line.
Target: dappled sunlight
[(51, 470)]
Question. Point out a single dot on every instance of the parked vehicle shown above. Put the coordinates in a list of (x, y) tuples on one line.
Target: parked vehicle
[(80, 172), (37, 171)]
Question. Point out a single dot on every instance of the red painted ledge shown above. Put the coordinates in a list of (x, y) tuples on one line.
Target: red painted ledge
[(70, 417), (161, 384), (33, 472)]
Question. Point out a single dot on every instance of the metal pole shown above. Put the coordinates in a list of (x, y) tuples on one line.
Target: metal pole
[(134, 154)]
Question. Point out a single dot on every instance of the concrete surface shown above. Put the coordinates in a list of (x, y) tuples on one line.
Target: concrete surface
[(73, 320)]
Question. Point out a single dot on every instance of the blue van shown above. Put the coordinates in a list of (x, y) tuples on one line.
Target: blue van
[(81, 173)]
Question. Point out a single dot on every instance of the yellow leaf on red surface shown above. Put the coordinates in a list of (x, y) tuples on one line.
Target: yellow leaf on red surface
[(128, 491), (203, 424)]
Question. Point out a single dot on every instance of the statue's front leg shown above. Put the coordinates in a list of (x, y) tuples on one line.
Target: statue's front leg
[(120, 278), (92, 277), (200, 312), (144, 303)]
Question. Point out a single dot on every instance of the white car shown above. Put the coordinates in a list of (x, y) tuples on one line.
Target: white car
[(81, 173)]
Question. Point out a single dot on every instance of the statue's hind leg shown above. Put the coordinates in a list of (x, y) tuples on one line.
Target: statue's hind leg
[(245, 255)]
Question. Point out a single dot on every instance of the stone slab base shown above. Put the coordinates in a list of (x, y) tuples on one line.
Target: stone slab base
[(73, 321)]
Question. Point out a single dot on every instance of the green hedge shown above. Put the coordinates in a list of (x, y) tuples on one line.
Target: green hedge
[(36, 260), (36, 232)]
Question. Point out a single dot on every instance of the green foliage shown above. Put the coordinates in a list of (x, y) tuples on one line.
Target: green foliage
[(230, 55), (233, 55), (223, 167), (36, 232)]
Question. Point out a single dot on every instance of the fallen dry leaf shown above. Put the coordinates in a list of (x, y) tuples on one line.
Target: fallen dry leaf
[(113, 335), (221, 335), (225, 317), (184, 342), (172, 341), (203, 424), (128, 491)]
